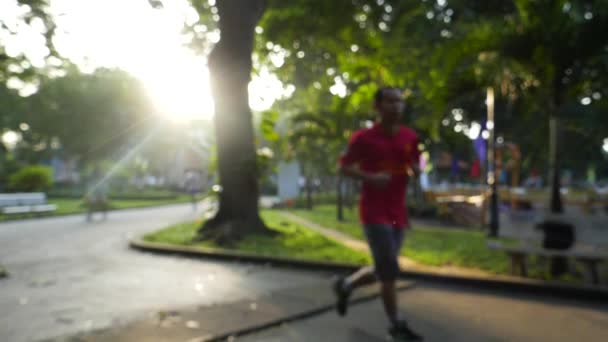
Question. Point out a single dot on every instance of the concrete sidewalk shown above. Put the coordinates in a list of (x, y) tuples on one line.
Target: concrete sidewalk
[(68, 276), (218, 322), (440, 312), (448, 313)]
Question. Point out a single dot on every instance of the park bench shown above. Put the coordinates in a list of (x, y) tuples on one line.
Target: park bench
[(589, 256), (25, 203)]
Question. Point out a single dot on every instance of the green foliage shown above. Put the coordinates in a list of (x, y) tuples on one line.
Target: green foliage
[(90, 116), (32, 179), (67, 206), (8, 166), (317, 199), (36, 10), (434, 246), (429, 245), (445, 246), (268, 125), (271, 141), (115, 192), (12, 104), (212, 167), (265, 163), (541, 56), (444, 56), (293, 241)]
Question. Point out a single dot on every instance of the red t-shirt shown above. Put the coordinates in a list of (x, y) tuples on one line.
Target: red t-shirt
[(376, 151)]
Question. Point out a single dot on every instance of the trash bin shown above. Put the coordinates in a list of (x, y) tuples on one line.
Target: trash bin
[(558, 236)]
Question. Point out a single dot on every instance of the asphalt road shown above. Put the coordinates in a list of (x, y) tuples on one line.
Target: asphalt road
[(69, 276), (443, 312)]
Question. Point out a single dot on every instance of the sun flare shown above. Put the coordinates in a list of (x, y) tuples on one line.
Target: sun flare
[(147, 43)]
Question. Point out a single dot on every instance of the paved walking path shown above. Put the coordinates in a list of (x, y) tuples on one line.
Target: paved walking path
[(67, 275), (440, 312), (203, 323), (443, 312), (303, 311)]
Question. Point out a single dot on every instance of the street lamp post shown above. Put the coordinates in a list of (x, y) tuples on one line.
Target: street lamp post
[(492, 183)]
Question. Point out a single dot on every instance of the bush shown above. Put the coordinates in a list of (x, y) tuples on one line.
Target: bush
[(32, 179), (63, 190), (8, 166), (144, 195)]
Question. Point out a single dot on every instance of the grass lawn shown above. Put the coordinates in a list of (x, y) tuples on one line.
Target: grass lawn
[(66, 206), (294, 241), (325, 215), (439, 246), (429, 245), (75, 205)]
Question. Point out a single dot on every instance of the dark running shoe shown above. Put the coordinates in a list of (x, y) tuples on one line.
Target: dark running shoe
[(401, 332), (342, 296)]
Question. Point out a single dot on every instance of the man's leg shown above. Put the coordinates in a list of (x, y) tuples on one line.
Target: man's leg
[(389, 271), (398, 327), (389, 299), (343, 287), (363, 277)]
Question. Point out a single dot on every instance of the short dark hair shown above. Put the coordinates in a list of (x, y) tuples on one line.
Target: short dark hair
[(379, 95)]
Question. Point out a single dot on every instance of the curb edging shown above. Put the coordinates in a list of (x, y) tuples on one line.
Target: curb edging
[(219, 254), (516, 285), (500, 283)]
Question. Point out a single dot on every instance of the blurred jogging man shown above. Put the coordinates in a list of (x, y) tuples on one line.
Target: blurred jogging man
[(383, 157)]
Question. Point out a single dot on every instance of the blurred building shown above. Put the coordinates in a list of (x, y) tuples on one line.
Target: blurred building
[(288, 180)]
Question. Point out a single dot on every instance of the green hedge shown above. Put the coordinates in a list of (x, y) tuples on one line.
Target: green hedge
[(32, 179), (76, 192)]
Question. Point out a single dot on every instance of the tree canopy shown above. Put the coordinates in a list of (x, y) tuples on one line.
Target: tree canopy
[(545, 59)]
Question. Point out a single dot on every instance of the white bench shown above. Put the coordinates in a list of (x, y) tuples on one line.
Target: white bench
[(25, 203)]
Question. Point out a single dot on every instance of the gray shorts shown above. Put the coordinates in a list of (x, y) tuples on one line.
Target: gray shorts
[(385, 243)]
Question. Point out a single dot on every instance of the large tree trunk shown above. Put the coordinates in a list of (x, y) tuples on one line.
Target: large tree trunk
[(556, 204), (559, 265), (230, 68)]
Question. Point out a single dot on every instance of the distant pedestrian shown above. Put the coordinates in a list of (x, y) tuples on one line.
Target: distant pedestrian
[(475, 169), (193, 187), (383, 157), (96, 198)]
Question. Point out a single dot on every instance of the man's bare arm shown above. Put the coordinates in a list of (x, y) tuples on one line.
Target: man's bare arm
[(376, 179), (413, 171), (353, 171)]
